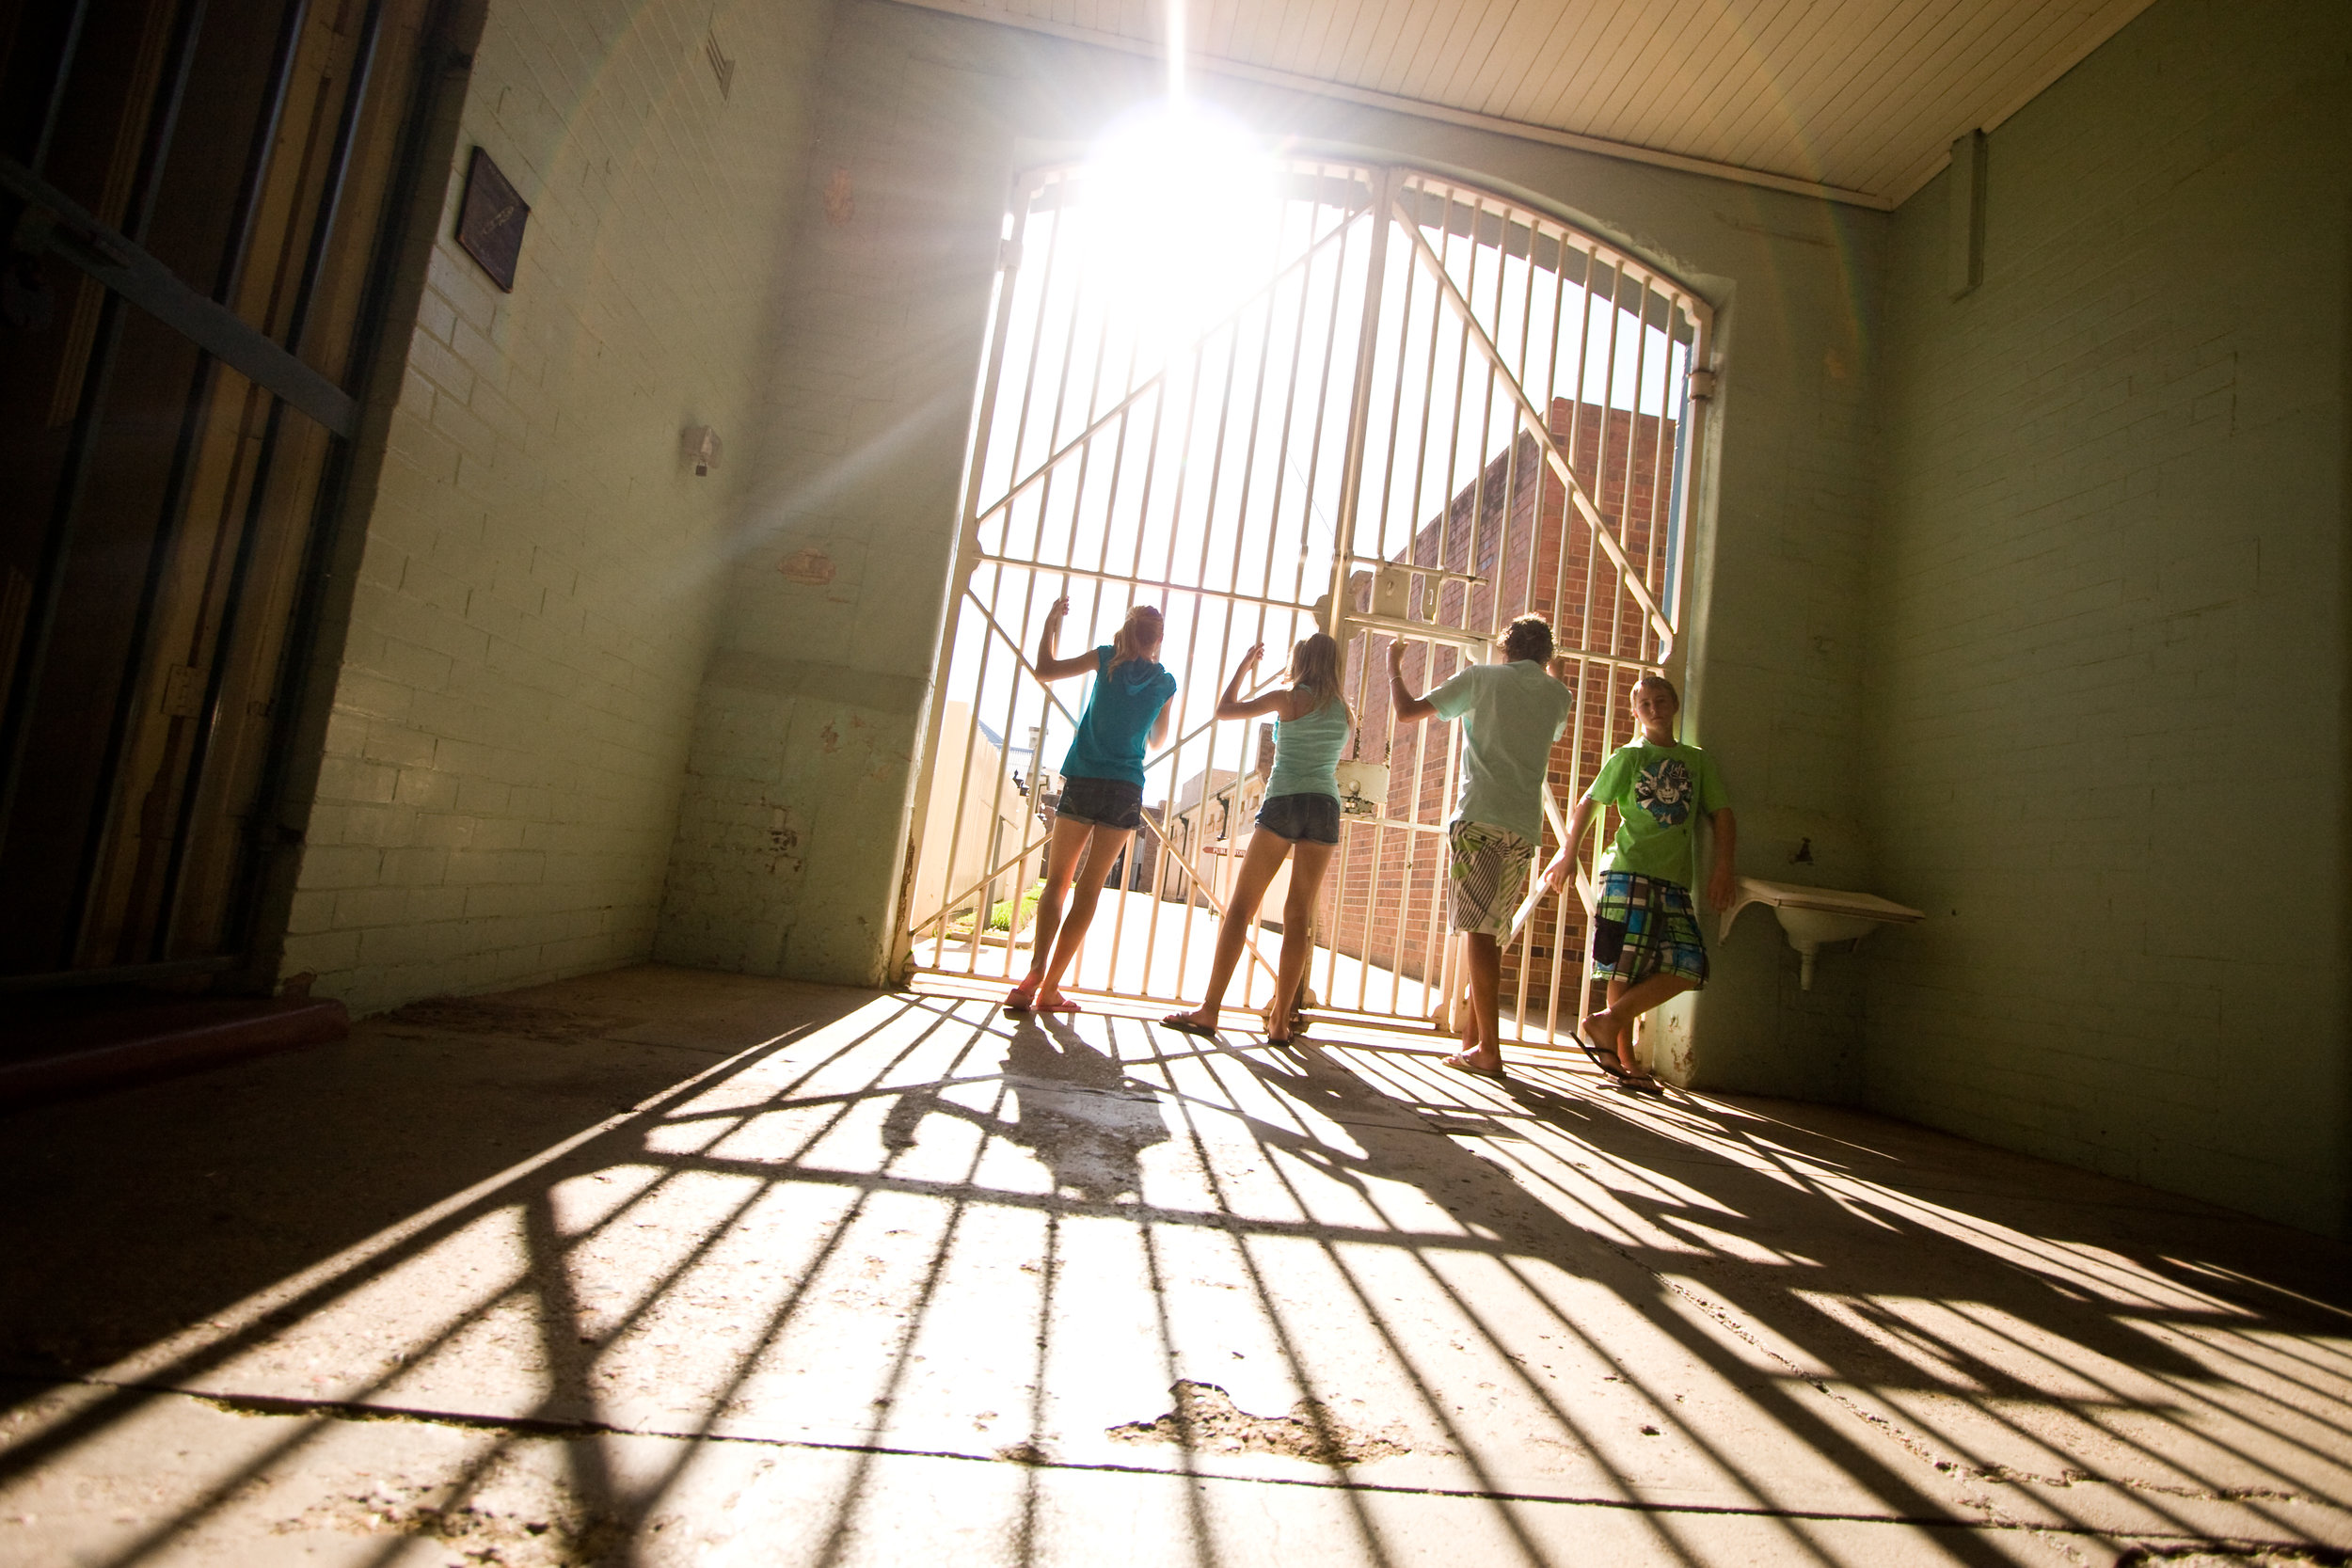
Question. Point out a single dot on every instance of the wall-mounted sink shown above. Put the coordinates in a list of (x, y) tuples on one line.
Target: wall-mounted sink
[(1813, 915)]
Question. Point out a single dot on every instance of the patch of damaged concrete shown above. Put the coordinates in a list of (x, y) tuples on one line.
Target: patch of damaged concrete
[(1074, 1109), (811, 568), (480, 1530), (2220, 1555), (1207, 1420)]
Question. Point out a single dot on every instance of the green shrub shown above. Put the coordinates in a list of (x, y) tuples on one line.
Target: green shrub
[(1000, 916)]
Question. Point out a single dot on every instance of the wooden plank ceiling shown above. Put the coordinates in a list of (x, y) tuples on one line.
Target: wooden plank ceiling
[(1860, 99)]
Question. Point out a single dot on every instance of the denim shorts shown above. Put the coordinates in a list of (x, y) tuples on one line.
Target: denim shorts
[(1103, 802), (1302, 819)]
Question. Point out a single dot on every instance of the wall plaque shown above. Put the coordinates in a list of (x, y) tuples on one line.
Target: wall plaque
[(490, 223)]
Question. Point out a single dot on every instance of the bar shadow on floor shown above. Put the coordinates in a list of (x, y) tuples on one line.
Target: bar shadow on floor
[(611, 1237)]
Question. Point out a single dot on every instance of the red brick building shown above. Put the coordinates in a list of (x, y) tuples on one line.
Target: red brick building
[(1384, 903)]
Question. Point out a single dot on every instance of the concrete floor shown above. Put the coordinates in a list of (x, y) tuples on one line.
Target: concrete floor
[(663, 1267)]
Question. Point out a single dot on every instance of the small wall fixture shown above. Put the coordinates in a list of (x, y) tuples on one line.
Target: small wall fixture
[(1813, 915), (702, 447)]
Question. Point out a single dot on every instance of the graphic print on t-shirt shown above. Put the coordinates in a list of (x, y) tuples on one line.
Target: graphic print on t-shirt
[(1664, 789)]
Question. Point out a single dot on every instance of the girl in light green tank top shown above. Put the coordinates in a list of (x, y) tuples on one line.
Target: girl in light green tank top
[(1307, 753), (1298, 822)]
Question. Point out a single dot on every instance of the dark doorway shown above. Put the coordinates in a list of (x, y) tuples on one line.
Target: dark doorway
[(195, 196)]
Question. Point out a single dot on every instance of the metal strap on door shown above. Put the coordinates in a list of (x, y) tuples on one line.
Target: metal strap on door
[(1421, 410)]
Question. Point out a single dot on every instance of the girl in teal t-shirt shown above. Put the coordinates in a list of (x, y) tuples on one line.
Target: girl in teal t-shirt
[(1646, 934), (1101, 794)]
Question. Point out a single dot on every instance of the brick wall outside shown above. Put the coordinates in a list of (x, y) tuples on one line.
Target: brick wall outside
[(1385, 902), (541, 572)]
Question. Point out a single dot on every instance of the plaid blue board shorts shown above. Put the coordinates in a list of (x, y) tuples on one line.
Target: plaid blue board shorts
[(1644, 926)]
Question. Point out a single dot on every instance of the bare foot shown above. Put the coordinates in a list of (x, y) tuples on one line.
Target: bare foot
[(1606, 1037), (1279, 1029), (1018, 999), (1201, 1020), (1051, 1000), (1484, 1060)]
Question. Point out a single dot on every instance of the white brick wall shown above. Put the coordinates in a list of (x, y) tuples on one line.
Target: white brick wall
[(2110, 649), (541, 573), (786, 860)]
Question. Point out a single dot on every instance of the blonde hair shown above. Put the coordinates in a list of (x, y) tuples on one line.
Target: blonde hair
[(1656, 681), (1129, 642), (1315, 671)]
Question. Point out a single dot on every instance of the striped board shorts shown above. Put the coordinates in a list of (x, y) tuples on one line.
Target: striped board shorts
[(1488, 870), (1644, 926)]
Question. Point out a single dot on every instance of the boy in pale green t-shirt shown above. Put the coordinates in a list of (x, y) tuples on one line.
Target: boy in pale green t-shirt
[(1510, 713), (1646, 934)]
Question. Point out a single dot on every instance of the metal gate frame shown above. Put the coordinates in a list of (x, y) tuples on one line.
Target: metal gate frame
[(1659, 612), (408, 89)]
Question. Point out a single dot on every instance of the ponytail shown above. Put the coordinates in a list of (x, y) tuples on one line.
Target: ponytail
[(1138, 636)]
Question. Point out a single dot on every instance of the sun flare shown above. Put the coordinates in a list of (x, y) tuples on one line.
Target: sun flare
[(1181, 213)]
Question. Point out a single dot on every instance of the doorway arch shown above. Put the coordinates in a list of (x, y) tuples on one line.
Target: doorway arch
[(1391, 405)]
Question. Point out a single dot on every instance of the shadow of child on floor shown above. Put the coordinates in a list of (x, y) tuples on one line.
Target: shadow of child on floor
[(1084, 1119)]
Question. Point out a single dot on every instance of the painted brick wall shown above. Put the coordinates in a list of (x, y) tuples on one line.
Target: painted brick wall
[(541, 575), (2110, 651), (786, 853)]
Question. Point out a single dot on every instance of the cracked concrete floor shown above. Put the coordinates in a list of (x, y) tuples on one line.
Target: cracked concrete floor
[(663, 1267)]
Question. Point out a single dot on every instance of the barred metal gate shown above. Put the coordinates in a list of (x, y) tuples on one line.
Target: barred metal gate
[(1309, 393)]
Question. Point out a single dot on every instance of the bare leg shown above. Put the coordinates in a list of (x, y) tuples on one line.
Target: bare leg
[(1258, 866), (1483, 957), (1298, 915), (1061, 866), (1612, 1028), (1104, 846)]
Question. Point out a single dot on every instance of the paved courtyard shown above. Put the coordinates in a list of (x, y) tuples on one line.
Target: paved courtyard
[(1141, 945), (664, 1267)]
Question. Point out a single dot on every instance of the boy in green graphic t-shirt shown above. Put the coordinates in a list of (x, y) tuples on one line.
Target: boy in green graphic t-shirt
[(1646, 935)]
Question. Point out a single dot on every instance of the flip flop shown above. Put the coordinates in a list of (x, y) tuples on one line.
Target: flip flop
[(1640, 1082), (1185, 1023), (1019, 999), (1605, 1063), (1460, 1062), (1064, 1005)]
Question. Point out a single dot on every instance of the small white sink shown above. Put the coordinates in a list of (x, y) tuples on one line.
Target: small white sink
[(1813, 915)]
